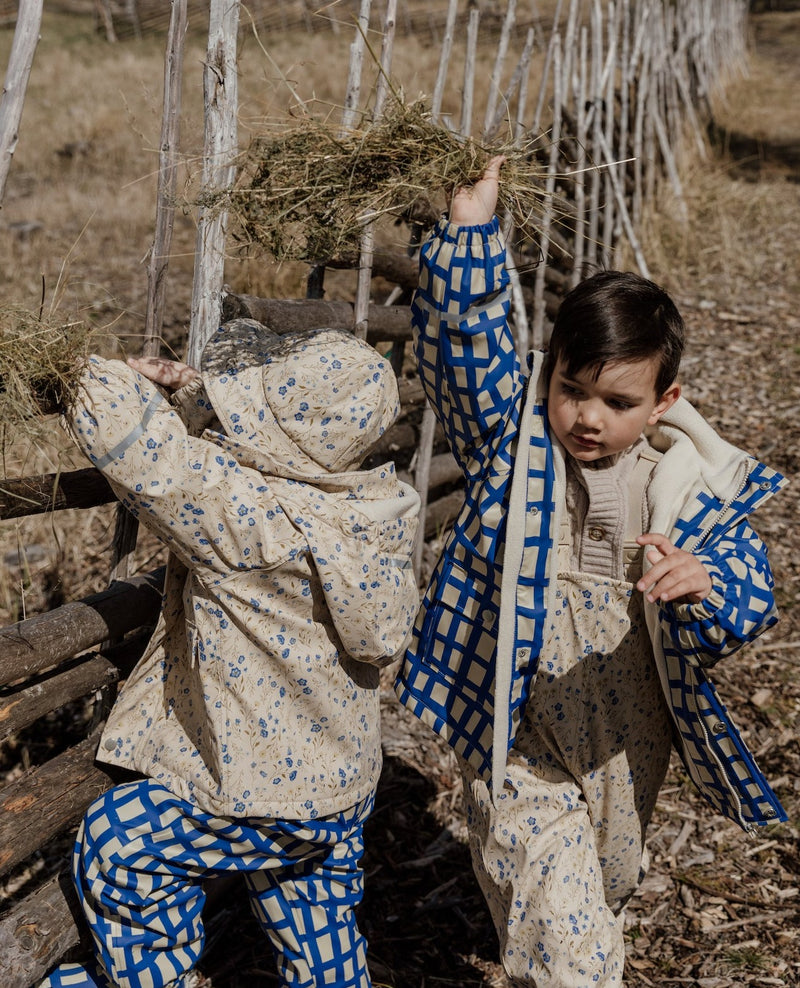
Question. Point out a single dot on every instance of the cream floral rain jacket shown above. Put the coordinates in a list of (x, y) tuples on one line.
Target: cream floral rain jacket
[(289, 580)]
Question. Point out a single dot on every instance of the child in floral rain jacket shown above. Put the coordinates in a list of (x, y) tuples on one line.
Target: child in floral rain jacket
[(588, 582), (253, 725)]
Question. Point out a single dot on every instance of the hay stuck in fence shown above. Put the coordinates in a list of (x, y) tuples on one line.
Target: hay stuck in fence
[(305, 193), (40, 362)]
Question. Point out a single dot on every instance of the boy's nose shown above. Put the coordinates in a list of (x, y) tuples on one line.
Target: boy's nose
[(589, 414)]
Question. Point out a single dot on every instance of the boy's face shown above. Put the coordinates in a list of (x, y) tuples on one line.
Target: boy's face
[(597, 418)]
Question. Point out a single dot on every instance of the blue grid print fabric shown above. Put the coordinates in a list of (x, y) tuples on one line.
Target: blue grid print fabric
[(141, 857)]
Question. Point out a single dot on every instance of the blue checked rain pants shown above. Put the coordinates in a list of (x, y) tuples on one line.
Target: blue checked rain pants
[(141, 856)]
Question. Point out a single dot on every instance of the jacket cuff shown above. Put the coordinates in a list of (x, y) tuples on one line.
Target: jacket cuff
[(194, 406), (454, 233)]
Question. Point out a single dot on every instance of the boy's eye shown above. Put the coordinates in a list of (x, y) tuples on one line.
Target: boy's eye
[(570, 389), (621, 406)]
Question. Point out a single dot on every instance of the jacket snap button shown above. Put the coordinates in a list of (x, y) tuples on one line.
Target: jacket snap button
[(764, 485), (718, 727), (109, 744), (533, 509), (596, 534)]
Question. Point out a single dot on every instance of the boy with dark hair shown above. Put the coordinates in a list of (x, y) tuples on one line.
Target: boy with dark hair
[(253, 725), (589, 580)]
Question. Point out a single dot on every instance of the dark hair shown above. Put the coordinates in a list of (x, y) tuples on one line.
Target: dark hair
[(617, 316)]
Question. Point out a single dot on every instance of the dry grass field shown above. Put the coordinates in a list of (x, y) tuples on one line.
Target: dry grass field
[(717, 910)]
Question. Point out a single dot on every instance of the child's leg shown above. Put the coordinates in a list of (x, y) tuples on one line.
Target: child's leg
[(535, 858), (142, 853), (305, 901), (140, 856)]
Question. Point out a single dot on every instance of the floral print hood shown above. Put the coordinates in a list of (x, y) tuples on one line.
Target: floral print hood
[(305, 405)]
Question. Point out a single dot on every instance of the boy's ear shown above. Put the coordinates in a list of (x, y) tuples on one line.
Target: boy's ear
[(665, 402)]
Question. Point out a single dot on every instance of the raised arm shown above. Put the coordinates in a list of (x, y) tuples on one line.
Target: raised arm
[(199, 501), (464, 347)]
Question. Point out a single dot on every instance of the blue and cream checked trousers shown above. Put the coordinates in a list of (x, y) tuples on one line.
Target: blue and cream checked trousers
[(142, 854)]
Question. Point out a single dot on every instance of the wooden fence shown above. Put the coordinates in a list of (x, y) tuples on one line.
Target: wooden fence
[(621, 89)]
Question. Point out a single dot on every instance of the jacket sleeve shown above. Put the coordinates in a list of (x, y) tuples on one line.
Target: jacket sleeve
[(739, 608), (463, 344), (189, 492)]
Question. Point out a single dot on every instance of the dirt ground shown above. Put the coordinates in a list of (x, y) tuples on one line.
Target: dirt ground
[(718, 909)]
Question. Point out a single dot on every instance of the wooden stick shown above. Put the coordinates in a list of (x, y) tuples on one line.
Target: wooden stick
[(580, 164), (625, 82), (569, 47), (610, 106), (638, 136), (366, 250), (422, 474), (23, 707), (387, 48), (353, 89), (519, 80), (221, 99), (444, 60), (595, 121), (39, 805), (497, 70), (537, 331), (167, 179), (623, 209), (23, 48), (522, 102), (364, 280), (548, 58), (469, 71), (126, 526), (53, 492), (49, 639)]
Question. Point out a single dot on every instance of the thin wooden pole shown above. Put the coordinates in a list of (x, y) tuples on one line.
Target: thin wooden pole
[(367, 245), (497, 70), (167, 179), (569, 44), (638, 131), (444, 60), (548, 58), (518, 81), (387, 48), (126, 526), (619, 193), (595, 121), (469, 71), (522, 335), (624, 82), (221, 98), (23, 48), (422, 473), (580, 164), (537, 332), (353, 90), (609, 106)]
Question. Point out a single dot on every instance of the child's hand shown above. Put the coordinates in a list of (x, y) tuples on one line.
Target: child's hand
[(676, 575), (170, 374), (473, 206)]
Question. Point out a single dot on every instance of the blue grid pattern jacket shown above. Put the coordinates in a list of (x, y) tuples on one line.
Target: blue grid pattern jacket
[(472, 659)]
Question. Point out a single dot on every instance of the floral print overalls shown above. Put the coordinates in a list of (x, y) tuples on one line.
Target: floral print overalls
[(562, 850)]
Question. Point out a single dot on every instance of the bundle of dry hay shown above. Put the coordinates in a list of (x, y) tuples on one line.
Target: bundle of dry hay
[(40, 361), (305, 193)]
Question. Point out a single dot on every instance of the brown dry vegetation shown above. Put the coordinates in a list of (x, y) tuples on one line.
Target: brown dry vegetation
[(718, 910)]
